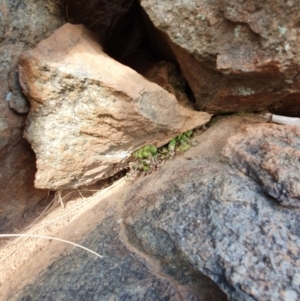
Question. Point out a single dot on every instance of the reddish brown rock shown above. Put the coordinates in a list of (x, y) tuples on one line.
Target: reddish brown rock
[(165, 74), (89, 112), (161, 72), (22, 25), (236, 55)]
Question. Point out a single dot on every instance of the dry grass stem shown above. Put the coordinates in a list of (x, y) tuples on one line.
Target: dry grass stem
[(52, 238)]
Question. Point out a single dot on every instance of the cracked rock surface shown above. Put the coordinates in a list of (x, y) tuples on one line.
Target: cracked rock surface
[(89, 113), (235, 55)]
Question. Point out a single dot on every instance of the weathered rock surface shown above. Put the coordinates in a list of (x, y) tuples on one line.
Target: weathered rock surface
[(197, 216), (270, 154), (201, 212), (236, 55), (122, 273), (22, 25), (89, 112)]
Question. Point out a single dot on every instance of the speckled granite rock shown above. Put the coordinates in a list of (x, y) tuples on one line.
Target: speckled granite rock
[(165, 236), (121, 275), (218, 221), (205, 213), (270, 154), (89, 113)]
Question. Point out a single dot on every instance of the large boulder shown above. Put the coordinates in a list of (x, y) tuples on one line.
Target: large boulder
[(199, 211), (22, 25), (89, 112), (236, 55), (163, 237), (123, 273)]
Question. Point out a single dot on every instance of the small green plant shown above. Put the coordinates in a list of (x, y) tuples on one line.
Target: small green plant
[(146, 152), (144, 157), (182, 142), (149, 157)]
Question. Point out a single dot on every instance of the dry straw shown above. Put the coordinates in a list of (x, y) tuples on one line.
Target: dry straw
[(52, 238)]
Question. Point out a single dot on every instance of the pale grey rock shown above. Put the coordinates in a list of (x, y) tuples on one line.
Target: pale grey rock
[(89, 113), (14, 96)]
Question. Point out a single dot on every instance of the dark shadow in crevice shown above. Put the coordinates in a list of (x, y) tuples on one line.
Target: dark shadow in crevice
[(128, 35)]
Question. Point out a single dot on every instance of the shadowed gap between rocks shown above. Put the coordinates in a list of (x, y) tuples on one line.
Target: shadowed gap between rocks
[(130, 37)]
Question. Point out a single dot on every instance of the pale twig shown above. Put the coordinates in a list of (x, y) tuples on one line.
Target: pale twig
[(282, 119), (39, 227), (60, 199), (52, 238), (105, 189), (80, 194), (30, 226)]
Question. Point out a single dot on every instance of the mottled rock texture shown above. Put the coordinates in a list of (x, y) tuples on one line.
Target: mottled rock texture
[(270, 154), (166, 235), (199, 211), (89, 112), (236, 55), (22, 25), (122, 273)]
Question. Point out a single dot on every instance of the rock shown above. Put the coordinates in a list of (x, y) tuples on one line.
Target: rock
[(89, 113), (163, 73), (163, 237), (235, 55), (270, 155), (198, 211), (14, 97), (22, 25), (122, 273)]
